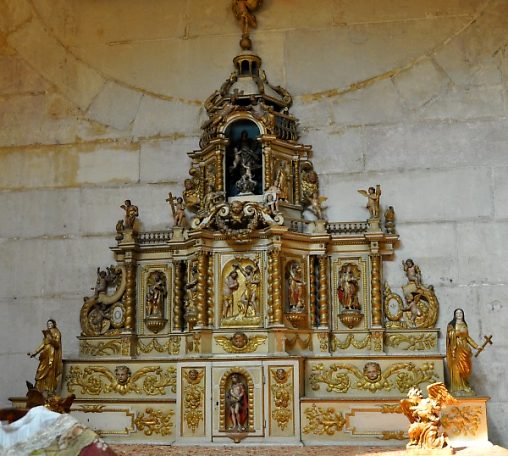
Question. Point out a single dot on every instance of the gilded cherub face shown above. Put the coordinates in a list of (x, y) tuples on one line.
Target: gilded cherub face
[(239, 340), (122, 374), (193, 374), (372, 371)]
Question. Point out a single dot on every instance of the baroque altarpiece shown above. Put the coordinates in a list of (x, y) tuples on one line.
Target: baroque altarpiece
[(254, 319)]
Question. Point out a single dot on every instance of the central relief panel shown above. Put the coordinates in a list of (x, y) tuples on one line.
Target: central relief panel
[(241, 291)]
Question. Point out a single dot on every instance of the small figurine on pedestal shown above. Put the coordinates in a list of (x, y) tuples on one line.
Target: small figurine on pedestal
[(373, 196)]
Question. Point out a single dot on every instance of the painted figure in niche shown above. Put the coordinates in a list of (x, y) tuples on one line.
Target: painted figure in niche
[(458, 353), (296, 291), (372, 371), (156, 293), (248, 304), (49, 371), (190, 297), (348, 287), (281, 181), (373, 196), (122, 375), (245, 166), (230, 286), (237, 403), (131, 212)]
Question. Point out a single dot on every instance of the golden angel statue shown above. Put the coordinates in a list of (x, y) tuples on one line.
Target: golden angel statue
[(424, 414), (373, 196), (49, 372), (243, 10)]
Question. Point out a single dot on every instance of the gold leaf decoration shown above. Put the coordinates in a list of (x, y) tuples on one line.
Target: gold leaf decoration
[(462, 420), (171, 347), (350, 341), (340, 378), (323, 421), (392, 435), (193, 398), (96, 380), (111, 347), (418, 342), (252, 343), (154, 422), (281, 393)]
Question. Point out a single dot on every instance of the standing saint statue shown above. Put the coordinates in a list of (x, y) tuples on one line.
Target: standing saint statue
[(458, 354), (47, 377)]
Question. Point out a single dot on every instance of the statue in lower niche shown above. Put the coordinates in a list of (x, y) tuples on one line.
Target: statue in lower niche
[(237, 404), (296, 287), (49, 371)]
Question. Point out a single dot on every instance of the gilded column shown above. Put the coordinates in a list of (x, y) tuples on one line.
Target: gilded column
[(219, 171), (323, 291), (270, 289), (268, 167), (312, 290), (178, 303), (276, 288), (202, 317), (296, 173), (210, 290), (129, 298), (375, 286)]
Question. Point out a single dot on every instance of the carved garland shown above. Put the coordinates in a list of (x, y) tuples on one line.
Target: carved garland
[(95, 380), (193, 398), (281, 393), (153, 421), (407, 376), (323, 421)]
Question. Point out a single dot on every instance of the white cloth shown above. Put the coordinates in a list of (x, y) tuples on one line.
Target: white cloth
[(37, 429)]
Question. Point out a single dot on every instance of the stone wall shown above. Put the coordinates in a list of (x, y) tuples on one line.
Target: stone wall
[(100, 101)]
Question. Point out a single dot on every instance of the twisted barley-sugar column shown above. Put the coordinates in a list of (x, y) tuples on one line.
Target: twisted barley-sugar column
[(323, 292), (177, 305), (296, 172), (375, 285), (219, 185), (202, 319), (210, 289), (276, 288), (268, 167), (270, 289), (312, 290), (130, 295)]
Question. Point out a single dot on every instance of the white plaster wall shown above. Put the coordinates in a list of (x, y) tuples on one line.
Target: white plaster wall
[(100, 101)]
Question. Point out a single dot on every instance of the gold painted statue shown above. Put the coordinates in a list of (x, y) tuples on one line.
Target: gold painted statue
[(373, 196), (243, 11), (47, 377), (458, 353), (424, 414)]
